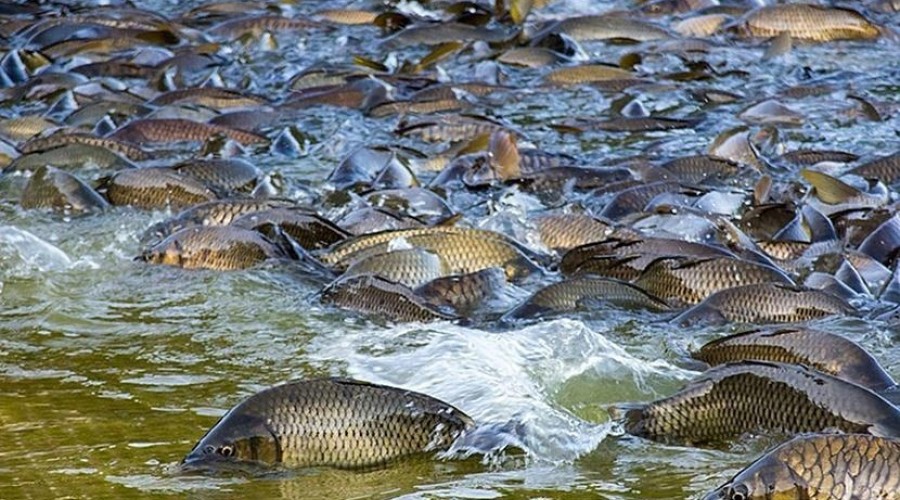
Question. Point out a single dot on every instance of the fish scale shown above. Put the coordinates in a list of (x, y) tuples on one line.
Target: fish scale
[(821, 350), (213, 247), (820, 467), (736, 398), (689, 281), (333, 422), (810, 22)]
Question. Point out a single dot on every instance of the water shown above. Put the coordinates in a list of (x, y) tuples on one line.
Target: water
[(111, 370)]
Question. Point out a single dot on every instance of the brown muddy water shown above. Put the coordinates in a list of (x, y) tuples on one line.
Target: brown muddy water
[(111, 369)]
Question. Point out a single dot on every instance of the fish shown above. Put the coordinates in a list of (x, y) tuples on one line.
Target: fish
[(221, 248), (330, 422), (371, 294), (212, 213), (811, 23), (820, 467), (169, 130), (39, 144), (562, 232), (464, 250), (686, 281), (71, 157), (308, 229), (634, 252), (584, 293), (606, 27), (733, 399), (50, 187), (154, 188), (464, 293), (824, 351), (411, 267), (223, 176), (884, 168), (764, 303)]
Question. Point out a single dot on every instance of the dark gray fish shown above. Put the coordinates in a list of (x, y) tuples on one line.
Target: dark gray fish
[(377, 296), (730, 400), (331, 422), (764, 303), (50, 187), (464, 293), (824, 351), (825, 466), (310, 230), (584, 293), (224, 176)]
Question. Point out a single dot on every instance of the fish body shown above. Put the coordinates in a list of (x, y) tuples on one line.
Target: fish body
[(411, 267), (464, 293), (563, 232), (330, 422), (50, 187), (820, 467), (765, 303), (810, 22), (222, 248), (212, 213), (682, 280), (824, 351), (154, 188), (730, 400), (378, 296), (307, 228), (71, 157), (581, 293)]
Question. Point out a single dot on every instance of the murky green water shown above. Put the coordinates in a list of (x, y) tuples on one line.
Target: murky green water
[(110, 370)]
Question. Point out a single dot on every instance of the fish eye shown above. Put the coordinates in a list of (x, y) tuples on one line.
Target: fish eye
[(740, 493), (226, 450), (208, 449)]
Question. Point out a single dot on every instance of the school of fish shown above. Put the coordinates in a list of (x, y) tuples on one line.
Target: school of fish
[(114, 108)]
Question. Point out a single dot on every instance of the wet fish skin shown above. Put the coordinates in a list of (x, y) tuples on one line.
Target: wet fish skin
[(563, 232), (827, 352), (411, 267), (61, 139), (683, 280), (820, 467), (810, 22), (71, 157), (751, 396), (50, 187), (308, 229), (580, 293), (375, 295), (464, 250), (330, 422), (213, 213), (764, 303), (223, 176), (221, 248), (168, 130), (639, 252), (153, 188), (464, 293)]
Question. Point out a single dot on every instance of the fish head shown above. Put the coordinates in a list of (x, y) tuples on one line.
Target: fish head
[(238, 438), (768, 479)]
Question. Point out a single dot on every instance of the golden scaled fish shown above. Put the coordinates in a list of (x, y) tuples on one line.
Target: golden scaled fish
[(222, 248), (329, 422), (168, 130), (730, 400), (129, 151), (810, 22), (464, 250), (820, 467), (411, 267), (154, 188), (824, 351), (684, 280), (71, 157), (464, 293), (562, 232), (764, 303)]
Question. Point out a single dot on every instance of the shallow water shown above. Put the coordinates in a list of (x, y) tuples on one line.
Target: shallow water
[(111, 370)]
